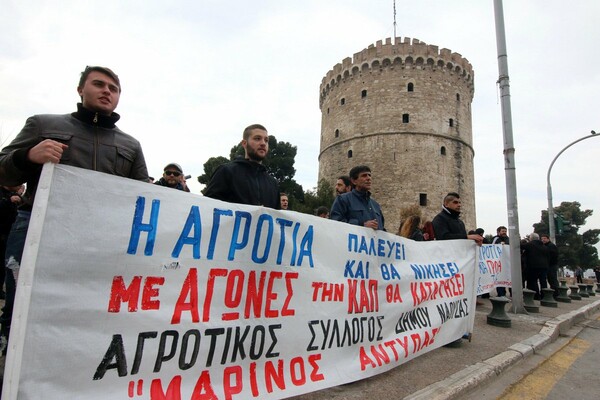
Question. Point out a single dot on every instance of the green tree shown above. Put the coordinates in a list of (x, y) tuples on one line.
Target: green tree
[(322, 195), (574, 249), (210, 166)]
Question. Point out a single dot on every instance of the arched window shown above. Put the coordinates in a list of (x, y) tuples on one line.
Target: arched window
[(411, 87), (342, 101), (443, 151), (405, 118), (363, 94), (451, 122), (337, 133), (349, 153), (457, 97)]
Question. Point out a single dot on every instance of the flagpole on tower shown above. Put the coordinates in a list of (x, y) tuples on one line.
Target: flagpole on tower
[(394, 19)]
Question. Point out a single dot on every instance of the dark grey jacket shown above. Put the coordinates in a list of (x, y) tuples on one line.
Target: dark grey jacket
[(94, 142)]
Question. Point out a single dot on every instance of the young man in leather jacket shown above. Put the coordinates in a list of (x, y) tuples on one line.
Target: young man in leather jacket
[(87, 138)]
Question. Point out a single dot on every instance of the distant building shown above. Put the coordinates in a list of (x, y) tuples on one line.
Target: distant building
[(404, 109)]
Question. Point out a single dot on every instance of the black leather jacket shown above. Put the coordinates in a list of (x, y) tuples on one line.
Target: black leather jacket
[(94, 142)]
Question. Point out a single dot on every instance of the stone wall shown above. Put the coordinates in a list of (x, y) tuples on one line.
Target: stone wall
[(404, 109)]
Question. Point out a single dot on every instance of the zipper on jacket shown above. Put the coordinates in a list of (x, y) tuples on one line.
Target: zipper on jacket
[(95, 156)]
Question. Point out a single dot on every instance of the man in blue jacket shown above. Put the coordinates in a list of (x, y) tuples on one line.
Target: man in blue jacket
[(358, 207)]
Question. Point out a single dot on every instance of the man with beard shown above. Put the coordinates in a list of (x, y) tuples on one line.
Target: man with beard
[(343, 185), (173, 178), (246, 180), (447, 226)]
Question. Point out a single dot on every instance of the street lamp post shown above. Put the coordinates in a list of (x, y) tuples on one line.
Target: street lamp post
[(550, 207)]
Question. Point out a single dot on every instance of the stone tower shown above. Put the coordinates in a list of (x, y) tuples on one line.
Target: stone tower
[(403, 109)]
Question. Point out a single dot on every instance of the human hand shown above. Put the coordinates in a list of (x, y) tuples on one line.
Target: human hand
[(372, 223), (477, 238), (46, 150), (16, 199)]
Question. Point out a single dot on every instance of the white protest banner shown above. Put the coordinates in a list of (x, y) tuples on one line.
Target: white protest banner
[(133, 291), (494, 268)]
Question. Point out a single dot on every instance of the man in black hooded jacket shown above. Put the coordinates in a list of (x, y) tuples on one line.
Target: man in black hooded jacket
[(247, 181)]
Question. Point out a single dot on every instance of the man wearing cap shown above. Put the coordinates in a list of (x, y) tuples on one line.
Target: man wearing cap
[(173, 178), (246, 180), (87, 138)]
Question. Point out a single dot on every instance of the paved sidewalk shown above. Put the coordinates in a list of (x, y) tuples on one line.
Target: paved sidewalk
[(446, 373)]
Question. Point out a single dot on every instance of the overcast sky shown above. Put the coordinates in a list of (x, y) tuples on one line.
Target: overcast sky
[(195, 73)]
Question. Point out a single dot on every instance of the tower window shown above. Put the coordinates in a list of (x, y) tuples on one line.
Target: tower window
[(451, 122), (363, 94), (349, 153), (337, 133), (342, 101), (327, 110), (443, 151), (457, 97), (405, 118), (411, 87), (423, 199)]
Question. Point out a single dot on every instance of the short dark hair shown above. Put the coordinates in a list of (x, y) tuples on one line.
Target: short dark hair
[(545, 235), (451, 196), (479, 231), (252, 127), (346, 179), (354, 172), (321, 210), (500, 228), (106, 71)]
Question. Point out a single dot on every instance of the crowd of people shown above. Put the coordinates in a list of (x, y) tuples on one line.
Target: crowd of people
[(89, 138)]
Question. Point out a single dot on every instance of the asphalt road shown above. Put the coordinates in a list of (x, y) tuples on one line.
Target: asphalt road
[(566, 369)]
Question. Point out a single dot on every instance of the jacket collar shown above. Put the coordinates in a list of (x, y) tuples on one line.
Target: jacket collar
[(250, 164), (365, 195), (94, 118), (452, 213)]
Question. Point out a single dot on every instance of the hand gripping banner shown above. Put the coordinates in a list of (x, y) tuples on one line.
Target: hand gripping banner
[(129, 290)]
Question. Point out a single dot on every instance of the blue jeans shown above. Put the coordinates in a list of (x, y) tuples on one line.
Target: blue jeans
[(14, 251)]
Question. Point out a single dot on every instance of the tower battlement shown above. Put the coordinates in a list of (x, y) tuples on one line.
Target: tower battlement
[(407, 53)]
